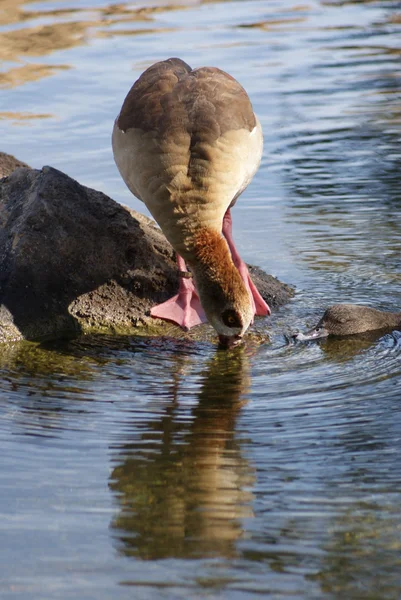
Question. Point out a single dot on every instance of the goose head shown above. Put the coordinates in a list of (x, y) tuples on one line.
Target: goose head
[(224, 297), (228, 307)]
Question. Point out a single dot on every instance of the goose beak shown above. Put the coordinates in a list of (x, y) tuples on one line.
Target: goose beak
[(226, 341)]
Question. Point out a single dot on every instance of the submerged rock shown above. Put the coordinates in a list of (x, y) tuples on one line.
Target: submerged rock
[(72, 259)]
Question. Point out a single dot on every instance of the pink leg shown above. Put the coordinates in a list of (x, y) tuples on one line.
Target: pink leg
[(185, 308), (260, 306)]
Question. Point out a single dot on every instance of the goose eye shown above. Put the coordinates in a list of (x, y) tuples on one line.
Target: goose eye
[(231, 318)]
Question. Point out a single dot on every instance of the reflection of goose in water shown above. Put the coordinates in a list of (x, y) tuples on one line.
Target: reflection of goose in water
[(183, 485), (351, 319), (187, 143)]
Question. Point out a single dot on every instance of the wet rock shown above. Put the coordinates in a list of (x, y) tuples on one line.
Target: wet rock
[(72, 260)]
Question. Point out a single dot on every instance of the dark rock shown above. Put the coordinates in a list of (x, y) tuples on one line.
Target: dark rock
[(72, 259)]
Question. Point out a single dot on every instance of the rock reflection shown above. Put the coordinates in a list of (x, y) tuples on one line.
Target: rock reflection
[(44, 387), (68, 28), (22, 118), (29, 72), (363, 558), (45, 360), (19, 11), (183, 486)]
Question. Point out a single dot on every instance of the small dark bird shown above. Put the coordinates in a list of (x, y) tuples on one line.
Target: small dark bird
[(350, 319)]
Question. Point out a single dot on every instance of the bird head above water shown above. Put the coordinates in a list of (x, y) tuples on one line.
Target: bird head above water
[(350, 319)]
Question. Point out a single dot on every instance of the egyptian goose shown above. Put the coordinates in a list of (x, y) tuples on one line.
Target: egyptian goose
[(187, 143), (349, 319)]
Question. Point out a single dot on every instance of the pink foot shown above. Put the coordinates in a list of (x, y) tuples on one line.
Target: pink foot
[(260, 307), (185, 308)]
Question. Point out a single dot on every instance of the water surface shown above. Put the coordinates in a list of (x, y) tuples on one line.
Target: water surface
[(166, 468)]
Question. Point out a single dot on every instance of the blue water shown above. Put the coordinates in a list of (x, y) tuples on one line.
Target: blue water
[(162, 468)]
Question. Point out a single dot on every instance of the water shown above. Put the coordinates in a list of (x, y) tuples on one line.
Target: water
[(161, 468)]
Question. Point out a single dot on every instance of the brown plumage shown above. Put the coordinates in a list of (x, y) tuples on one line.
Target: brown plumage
[(171, 96), (187, 143)]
